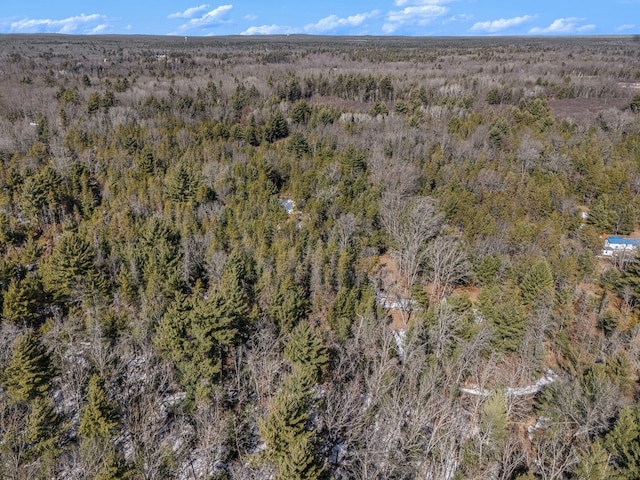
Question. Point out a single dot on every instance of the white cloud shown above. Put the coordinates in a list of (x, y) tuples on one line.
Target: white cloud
[(493, 26), (209, 19), (79, 24), (586, 28), (268, 30), (626, 26), (413, 15), (324, 25), (189, 12), (250, 17), (99, 28), (332, 22), (461, 17), (564, 25)]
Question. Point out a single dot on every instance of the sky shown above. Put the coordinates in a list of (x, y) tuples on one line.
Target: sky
[(327, 17)]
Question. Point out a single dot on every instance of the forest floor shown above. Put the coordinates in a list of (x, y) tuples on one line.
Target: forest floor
[(391, 286)]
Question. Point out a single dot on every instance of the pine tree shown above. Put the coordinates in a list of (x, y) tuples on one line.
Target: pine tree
[(98, 424), (342, 313), (42, 432), (182, 183), (237, 287), (300, 462), (113, 467), (71, 270), (306, 352), (537, 288), (276, 127), (98, 420), (300, 112), (192, 334), (159, 257), (128, 292), (494, 417), (19, 302), (594, 464), (623, 443), (30, 370), (289, 443), (505, 313), (289, 305)]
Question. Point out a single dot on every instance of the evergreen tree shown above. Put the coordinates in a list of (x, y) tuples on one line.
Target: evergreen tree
[(300, 462), (42, 432), (71, 272), (41, 192), (98, 419), (494, 417), (486, 269), (594, 464), (182, 183), (300, 112), (306, 352), (505, 313), (98, 425), (289, 443), (276, 127), (623, 443), (289, 305), (19, 302), (343, 311), (537, 287), (158, 257), (192, 334), (237, 287), (298, 145), (30, 370), (113, 467)]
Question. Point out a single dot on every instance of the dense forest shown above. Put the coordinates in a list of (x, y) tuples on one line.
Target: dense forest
[(318, 258)]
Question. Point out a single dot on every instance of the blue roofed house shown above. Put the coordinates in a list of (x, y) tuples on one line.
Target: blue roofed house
[(618, 244)]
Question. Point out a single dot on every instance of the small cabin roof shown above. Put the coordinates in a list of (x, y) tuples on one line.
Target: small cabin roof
[(623, 240)]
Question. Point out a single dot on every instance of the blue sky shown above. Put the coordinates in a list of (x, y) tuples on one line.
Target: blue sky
[(328, 17)]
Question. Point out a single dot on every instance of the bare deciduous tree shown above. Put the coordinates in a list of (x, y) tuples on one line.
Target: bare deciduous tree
[(448, 264), (410, 225)]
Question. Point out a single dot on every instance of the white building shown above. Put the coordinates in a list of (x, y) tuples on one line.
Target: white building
[(617, 244)]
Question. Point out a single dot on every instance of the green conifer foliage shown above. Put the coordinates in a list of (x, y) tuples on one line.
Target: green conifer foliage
[(298, 145), (41, 192), (237, 287), (42, 429), (343, 312), (486, 269), (192, 334), (289, 305), (537, 287), (113, 467), (19, 301), (183, 183), (623, 443), (594, 464), (306, 352), (98, 420), (70, 272), (30, 370), (494, 417), (158, 256), (300, 112), (276, 127), (289, 444), (300, 463), (506, 314)]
